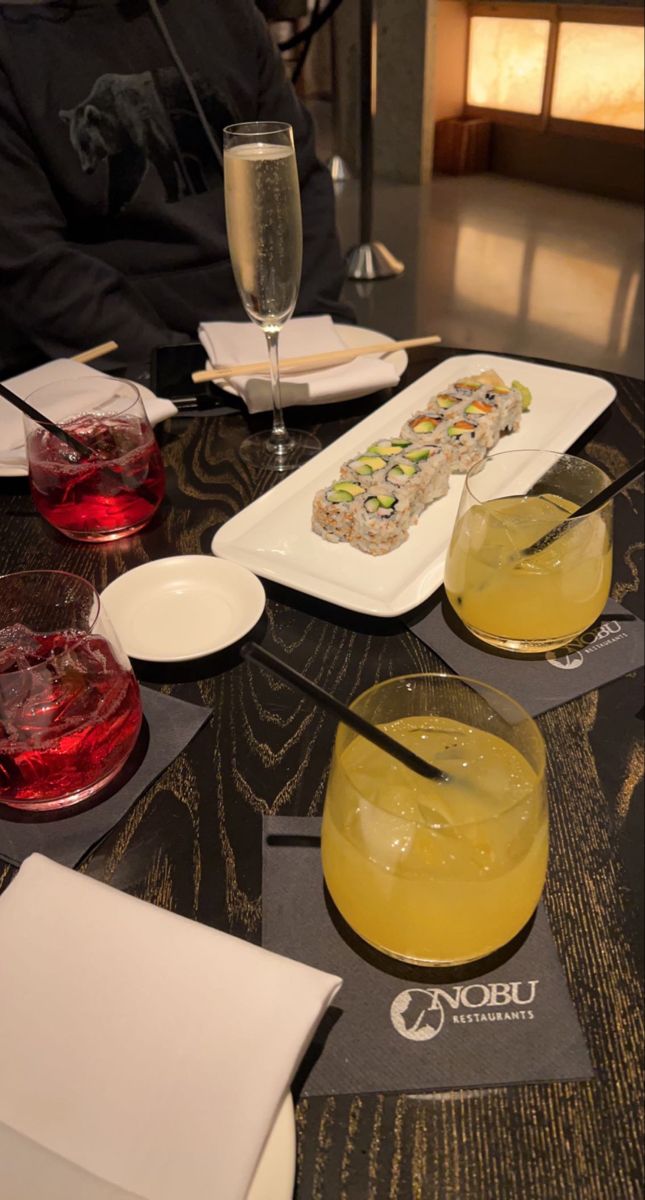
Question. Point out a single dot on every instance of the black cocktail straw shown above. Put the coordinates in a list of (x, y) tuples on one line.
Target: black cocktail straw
[(591, 506), (250, 650), (73, 442)]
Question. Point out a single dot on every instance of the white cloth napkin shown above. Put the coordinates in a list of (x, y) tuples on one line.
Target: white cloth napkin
[(230, 342), (143, 1048), (12, 434)]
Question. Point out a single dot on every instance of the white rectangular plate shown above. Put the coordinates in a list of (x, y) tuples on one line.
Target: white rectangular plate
[(273, 536)]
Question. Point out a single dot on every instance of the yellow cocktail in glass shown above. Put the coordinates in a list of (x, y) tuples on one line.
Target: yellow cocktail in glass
[(536, 601), (444, 872)]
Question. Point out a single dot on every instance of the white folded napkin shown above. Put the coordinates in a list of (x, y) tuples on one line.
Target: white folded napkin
[(12, 434), (143, 1048), (230, 342)]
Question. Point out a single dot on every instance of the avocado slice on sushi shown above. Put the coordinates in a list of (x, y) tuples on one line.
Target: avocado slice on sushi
[(402, 471), (480, 407), (343, 491), (524, 394), (425, 424), (460, 427), (446, 401), (367, 464), (418, 455), (374, 503), (386, 449)]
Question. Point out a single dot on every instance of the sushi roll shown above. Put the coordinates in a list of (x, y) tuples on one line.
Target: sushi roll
[(433, 468), (465, 444), (508, 403), (334, 510), (488, 416), (383, 518), (404, 475)]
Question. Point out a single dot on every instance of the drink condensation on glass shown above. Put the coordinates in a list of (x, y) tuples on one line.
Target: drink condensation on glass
[(428, 872), (70, 710), (114, 493), (529, 602)]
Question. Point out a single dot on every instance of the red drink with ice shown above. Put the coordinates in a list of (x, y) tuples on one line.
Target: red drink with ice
[(114, 491), (70, 710)]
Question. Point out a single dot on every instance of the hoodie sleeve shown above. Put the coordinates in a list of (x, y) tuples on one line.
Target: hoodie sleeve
[(60, 298), (322, 270)]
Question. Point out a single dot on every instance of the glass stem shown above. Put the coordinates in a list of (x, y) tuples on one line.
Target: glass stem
[(279, 438)]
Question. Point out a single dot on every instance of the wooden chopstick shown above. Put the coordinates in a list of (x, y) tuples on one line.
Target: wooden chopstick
[(312, 361), (95, 352)]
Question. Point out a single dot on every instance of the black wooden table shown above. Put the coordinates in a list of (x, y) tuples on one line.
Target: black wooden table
[(192, 843)]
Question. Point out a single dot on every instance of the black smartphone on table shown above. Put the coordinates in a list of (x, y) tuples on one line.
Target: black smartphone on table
[(171, 368)]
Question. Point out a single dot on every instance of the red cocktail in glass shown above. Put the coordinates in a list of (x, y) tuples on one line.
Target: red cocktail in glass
[(70, 710), (114, 491)]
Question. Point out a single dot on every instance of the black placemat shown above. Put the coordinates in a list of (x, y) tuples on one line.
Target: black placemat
[(68, 835), (397, 1028), (606, 651)]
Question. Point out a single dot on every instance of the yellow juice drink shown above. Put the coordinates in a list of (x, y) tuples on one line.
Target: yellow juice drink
[(540, 601), (433, 872)]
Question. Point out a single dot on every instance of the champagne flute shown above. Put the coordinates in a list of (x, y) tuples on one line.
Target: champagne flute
[(264, 227)]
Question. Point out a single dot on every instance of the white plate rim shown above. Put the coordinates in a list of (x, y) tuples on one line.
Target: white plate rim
[(353, 336), (126, 581), (225, 541)]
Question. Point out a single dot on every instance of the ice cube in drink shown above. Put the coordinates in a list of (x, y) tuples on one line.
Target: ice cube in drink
[(70, 713)]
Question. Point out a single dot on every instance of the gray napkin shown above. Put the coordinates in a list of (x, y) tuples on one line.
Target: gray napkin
[(398, 1028), (67, 835), (611, 648)]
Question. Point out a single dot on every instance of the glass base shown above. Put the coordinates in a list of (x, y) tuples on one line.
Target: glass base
[(57, 802), (525, 645), (103, 537), (262, 454)]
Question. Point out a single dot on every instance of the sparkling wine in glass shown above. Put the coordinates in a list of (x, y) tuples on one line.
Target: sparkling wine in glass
[(264, 227)]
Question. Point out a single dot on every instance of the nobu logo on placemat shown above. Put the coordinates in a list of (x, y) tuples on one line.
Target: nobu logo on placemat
[(587, 643), (419, 1014)]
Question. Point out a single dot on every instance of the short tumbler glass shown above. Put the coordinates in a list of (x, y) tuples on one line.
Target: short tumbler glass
[(116, 491), (70, 710), (444, 872), (529, 602)]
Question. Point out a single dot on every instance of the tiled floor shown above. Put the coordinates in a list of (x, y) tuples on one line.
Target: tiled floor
[(500, 264)]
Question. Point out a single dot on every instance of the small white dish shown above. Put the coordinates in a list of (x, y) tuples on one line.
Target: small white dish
[(275, 1173), (178, 609)]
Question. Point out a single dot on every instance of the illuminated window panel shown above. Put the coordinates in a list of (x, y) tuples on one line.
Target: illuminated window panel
[(573, 294), (488, 269), (599, 74), (507, 63)]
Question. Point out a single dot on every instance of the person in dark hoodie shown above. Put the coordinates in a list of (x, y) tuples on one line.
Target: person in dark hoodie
[(113, 223)]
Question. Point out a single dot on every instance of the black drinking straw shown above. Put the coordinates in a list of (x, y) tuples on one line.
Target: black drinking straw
[(251, 650), (25, 408), (591, 506)]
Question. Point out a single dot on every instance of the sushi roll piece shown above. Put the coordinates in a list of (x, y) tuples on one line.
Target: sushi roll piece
[(466, 443), (488, 416), (334, 510), (405, 475), (434, 469), (383, 518), (508, 402)]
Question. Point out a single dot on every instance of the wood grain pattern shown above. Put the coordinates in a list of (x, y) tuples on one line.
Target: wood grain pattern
[(192, 842)]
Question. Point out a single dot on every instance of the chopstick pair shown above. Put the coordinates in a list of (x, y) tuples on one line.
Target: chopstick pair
[(312, 362)]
